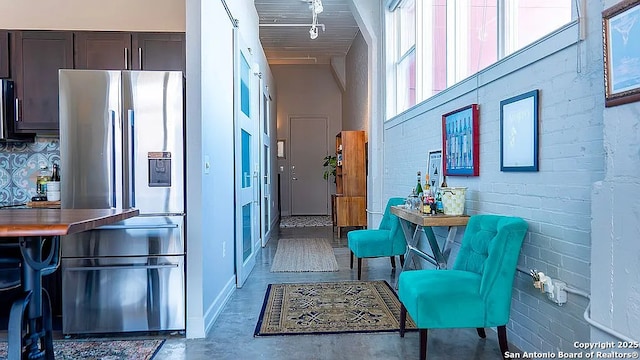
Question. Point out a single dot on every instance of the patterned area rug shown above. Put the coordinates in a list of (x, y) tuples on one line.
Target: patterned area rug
[(100, 349), (303, 221), (302, 255), (330, 308)]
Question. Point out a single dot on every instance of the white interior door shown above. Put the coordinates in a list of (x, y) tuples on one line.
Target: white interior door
[(309, 191), (246, 162), (265, 166)]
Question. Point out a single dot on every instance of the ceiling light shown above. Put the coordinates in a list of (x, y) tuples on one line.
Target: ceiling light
[(313, 32)]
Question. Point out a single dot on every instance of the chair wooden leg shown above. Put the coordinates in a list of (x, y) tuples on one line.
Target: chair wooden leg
[(351, 263), (403, 319), (359, 268), (402, 260), (393, 261), (423, 344), (481, 332), (502, 339)]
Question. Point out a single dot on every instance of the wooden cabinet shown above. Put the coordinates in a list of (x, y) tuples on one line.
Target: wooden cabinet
[(130, 51), (159, 51), (37, 57), (351, 180), (102, 50), (4, 54)]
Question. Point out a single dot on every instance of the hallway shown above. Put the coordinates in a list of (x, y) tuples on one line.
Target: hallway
[(232, 334)]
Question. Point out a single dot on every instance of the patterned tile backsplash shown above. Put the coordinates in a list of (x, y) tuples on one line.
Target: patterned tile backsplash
[(19, 166)]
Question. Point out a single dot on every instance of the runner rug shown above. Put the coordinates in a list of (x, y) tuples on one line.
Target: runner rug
[(301, 255), (330, 308), (305, 221), (100, 349)]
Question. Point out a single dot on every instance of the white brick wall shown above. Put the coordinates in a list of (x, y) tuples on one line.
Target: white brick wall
[(555, 201)]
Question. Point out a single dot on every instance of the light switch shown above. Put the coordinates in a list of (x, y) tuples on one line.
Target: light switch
[(281, 168), (207, 164)]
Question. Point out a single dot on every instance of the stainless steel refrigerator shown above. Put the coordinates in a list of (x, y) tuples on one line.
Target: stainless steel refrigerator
[(122, 146)]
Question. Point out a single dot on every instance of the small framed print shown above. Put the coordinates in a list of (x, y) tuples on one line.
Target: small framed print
[(621, 53), (434, 169), (461, 148), (519, 132)]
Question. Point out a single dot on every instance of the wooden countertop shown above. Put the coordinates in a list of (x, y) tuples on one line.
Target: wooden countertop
[(429, 220), (50, 222)]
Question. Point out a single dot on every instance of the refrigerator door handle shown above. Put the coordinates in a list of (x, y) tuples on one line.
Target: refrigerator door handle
[(116, 267), (113, 160), (137, 227), (132, 163)]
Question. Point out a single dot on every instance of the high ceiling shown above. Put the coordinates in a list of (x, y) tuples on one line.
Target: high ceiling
[(285, 42)]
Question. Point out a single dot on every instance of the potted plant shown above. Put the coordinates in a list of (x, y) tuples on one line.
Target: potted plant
[(330, 162)]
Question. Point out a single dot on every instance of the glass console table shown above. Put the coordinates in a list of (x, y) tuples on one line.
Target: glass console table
[(414, 223)]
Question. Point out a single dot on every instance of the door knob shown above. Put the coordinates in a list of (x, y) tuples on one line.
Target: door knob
[(294, 178)]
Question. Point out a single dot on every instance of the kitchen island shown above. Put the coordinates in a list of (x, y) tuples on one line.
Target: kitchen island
[(30, 333)]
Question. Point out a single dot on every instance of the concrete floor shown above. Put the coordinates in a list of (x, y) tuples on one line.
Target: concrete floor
[(232, 334)]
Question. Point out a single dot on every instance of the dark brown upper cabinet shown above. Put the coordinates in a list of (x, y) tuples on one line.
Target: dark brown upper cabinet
[(37, 57), (4, 54), (103, 50), (159, 51)]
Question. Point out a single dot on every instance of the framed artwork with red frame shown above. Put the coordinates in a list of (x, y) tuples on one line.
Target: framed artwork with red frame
[(460, 145)]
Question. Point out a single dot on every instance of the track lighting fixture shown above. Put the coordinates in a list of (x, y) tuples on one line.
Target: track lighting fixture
[(313, 32), (316, 8)]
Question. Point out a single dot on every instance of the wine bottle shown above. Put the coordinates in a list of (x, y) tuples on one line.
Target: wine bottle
[(419, 191), (55, 174)]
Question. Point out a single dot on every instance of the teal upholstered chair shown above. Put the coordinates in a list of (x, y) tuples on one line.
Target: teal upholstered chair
[(476, 292), (386, 240)]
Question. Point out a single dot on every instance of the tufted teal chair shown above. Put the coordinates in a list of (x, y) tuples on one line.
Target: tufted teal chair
[(387, 240), (476, 292)]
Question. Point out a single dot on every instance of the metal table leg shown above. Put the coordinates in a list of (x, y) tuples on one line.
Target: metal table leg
[(34, 306)]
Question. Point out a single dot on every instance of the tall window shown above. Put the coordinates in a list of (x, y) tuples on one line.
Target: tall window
[(406, 64), (438, 43)]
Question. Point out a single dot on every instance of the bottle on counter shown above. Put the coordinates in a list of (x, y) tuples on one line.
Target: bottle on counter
[(429, 200), (55, 173), (419, 191), (41, 180), (439, 205)]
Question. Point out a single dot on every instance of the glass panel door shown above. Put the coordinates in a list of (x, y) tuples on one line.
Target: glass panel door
[(247, 162)]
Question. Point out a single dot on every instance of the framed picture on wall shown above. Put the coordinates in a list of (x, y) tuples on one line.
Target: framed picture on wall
[(621, 33), (460, 145), (519, 132), (434, 169)]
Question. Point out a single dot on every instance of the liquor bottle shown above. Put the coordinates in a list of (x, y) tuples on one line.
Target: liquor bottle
[(55, 173), (41, 180), (444, 182), (419, 191), (428, 197)]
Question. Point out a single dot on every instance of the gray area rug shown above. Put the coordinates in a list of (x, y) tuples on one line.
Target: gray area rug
[(304, 255), (305, 220)]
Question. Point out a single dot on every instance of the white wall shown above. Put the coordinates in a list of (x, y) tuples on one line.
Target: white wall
[(121, 15), (305, 90), (210, 133), (355, 100), (369, 16), (556, 200), (615, 209)]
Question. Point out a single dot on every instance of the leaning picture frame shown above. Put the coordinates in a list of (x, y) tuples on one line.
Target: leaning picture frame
[(434, 169), (519, 132), (620, 52), (460, 142)]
